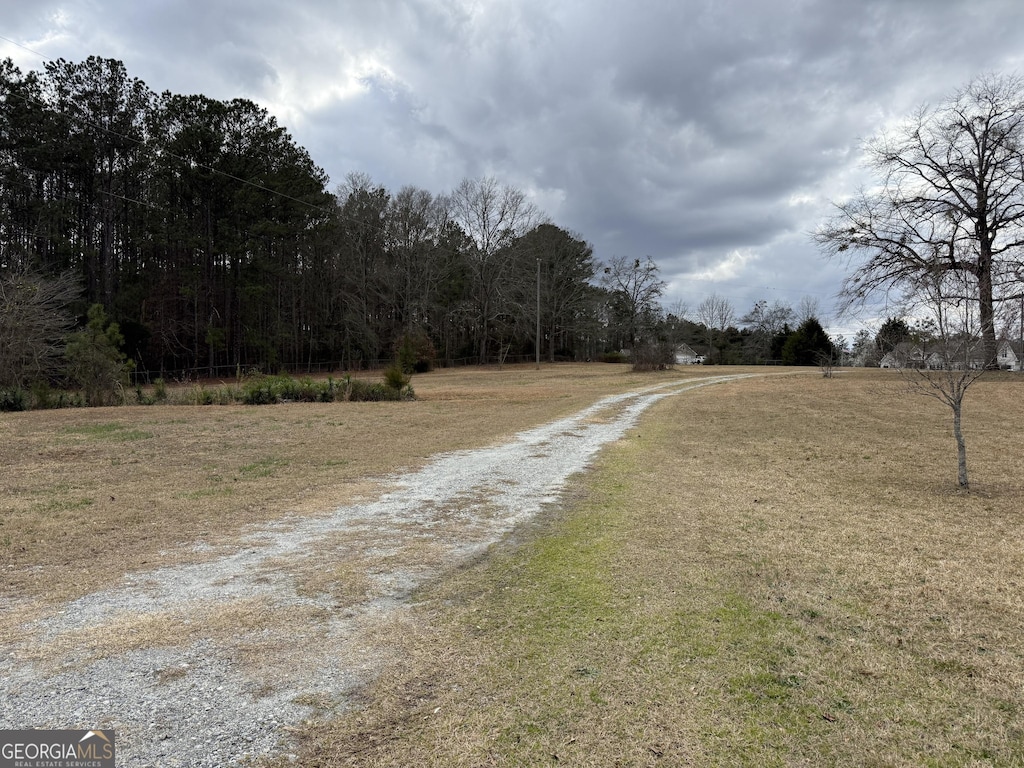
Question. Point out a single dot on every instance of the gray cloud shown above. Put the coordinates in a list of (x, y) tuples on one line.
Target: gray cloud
[(708, 135)]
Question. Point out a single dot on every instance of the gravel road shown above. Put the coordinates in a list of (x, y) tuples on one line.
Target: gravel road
[(210, 663)]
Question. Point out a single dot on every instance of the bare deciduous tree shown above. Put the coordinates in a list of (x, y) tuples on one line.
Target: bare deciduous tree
[(34, 321), (809, 307), (635, 286), (951, 200), (953, 356), (765, 322), (716, 314), (493, 216)]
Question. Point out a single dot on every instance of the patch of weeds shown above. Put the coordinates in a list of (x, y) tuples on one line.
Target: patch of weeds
[(318, 701), (952, 667), (842, 704), (335, 463), (262, 468), (135, 434), (68, 505), (756, 687), (170, 674), (94, 430)]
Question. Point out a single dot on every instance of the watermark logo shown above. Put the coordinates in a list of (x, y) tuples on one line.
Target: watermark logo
[(56, 749)]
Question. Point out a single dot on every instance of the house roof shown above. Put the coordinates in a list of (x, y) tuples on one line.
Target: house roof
[(1016, 347)]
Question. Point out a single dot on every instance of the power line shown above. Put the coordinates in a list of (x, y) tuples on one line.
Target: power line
[(161, 150)]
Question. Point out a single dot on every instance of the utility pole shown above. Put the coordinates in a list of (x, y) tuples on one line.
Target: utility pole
[(538, 315)]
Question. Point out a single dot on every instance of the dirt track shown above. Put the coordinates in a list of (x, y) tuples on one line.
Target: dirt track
[(206, 664)]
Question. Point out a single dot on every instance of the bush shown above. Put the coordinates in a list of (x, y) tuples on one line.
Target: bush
[(258, 390), (143, 397), (612, 357), (329, 391), (656, 356), (200, 395), (415, 352), (262, 390), (395, 377), (70, 400), (13, 400), (43, 396)]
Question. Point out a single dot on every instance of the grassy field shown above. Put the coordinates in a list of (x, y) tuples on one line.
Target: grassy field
[(88, 494), (776, 571), (772, 572)]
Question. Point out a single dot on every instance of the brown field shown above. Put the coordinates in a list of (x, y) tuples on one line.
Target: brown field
[(87, 494), (777, 571)]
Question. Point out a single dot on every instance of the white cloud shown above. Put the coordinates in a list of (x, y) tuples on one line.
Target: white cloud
[(732, 266)]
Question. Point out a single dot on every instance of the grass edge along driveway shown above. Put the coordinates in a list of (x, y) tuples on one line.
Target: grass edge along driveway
[(770, 572)]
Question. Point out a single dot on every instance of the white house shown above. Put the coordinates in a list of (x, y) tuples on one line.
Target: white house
[(686, 356), (1010, 355), (904, 355)]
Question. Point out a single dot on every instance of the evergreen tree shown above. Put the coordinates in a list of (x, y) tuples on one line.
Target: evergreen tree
[(95, 360), (807, 344)]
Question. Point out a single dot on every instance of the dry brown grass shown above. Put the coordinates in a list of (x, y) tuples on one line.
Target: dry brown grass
[(87, 495), (772, 572), (778, 571)]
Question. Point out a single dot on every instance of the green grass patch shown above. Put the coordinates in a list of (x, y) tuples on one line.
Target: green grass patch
[(262, 468), (69, 504), (209, 493)]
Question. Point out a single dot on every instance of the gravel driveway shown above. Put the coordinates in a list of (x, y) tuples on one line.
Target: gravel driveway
[(209, 664)]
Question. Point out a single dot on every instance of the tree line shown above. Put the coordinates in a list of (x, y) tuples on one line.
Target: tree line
[(211, 239)]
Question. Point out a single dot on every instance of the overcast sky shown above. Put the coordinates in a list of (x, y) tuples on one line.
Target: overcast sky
[(709, 135)]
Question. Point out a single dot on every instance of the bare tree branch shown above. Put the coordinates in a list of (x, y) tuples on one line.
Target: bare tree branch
[(34, 321), (950, 201)]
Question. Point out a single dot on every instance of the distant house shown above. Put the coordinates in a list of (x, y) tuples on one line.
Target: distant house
[(903, 355), (1010, 355), (686, 356), (957, 355), (954, 355)]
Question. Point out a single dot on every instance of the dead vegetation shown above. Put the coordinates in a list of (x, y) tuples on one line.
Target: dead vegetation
[(778, 571), (90, 494)]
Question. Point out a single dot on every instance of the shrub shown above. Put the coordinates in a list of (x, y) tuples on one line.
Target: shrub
[(260, 390), (612, 357), (308, 391), (395, 377), (197, 395), (329, 391), (415, 352), (13, 400), (43, 396), (143, 397), (70, 400), (655, 356)]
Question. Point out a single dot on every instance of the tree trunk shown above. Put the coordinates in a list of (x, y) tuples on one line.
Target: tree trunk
[(986, 311), (961, 446)]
